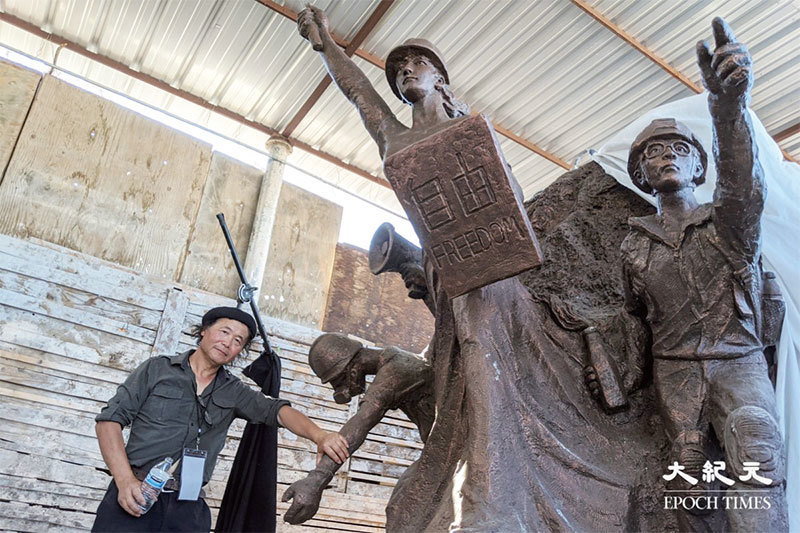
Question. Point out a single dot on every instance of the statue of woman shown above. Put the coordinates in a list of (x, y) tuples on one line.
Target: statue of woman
[(415, 72), (515, 444)]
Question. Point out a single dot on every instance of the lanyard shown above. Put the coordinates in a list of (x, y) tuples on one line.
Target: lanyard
[(202, 412)]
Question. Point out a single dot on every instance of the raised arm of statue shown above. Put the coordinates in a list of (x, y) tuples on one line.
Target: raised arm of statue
[(739, 196), (375, 112)]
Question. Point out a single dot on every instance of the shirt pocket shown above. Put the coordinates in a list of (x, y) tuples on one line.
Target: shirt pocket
[(221, 409), (169, 405)]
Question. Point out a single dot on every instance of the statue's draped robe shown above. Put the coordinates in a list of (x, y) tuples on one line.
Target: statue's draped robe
[(518, 443)]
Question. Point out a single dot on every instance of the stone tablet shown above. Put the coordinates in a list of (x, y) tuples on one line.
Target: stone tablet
[(457, 192)]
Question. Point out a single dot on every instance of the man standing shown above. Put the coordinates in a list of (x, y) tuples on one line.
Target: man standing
[(186, 403), (693, 272)]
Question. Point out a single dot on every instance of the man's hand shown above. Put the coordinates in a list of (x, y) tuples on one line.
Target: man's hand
[(729, 70), (109, 437), (333, 445), (305, 495), (130, 495)]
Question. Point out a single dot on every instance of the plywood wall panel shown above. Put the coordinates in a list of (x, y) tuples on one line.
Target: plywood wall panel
[(17, 87), (231, 188), (301, 256), (92, 176), (376, 308)]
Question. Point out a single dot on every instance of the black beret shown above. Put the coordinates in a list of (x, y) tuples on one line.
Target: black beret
[(212, 315)]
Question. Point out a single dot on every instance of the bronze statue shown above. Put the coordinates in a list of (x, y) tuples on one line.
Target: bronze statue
[(402, 381), (693, 272), (415, 72), (517, 444), (447, 169)]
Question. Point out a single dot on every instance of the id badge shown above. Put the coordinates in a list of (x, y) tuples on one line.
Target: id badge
[(192, 467)]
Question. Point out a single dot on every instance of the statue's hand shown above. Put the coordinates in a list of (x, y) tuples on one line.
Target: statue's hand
[(414, 278), (312, 22), (305, 495), (729, 70), (591, 381)]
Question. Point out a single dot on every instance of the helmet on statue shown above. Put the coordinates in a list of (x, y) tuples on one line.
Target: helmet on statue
[(330, 354), (659, 129)]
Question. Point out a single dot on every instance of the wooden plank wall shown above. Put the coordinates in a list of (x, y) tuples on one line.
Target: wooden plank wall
[(17, 87), (95, 177), (232, 189), (376, 308), (301, 256), (71, 328), (85, 173)]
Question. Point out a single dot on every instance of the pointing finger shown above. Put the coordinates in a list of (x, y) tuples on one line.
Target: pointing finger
[(723, 34), (288, 495)]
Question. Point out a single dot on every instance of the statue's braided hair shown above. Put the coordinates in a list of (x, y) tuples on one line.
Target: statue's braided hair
[(455, 108)]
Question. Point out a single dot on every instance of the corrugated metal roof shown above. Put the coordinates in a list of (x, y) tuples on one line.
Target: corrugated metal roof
[(544, 69)]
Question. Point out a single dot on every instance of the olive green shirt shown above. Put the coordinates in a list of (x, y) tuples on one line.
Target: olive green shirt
[(159, 401)]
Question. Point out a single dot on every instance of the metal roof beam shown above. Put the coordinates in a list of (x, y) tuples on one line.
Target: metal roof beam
[(291, 15), (788, 132), (160, 84), (349, 50), (376, 61), (532, 147), (672, 71)]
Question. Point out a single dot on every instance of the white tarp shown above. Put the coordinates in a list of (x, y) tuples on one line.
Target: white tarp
[(780, 226)]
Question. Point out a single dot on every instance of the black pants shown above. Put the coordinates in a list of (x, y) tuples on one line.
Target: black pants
[(167, 514)]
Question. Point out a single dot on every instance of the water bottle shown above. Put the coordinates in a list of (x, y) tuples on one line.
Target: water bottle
[(154, 483)]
